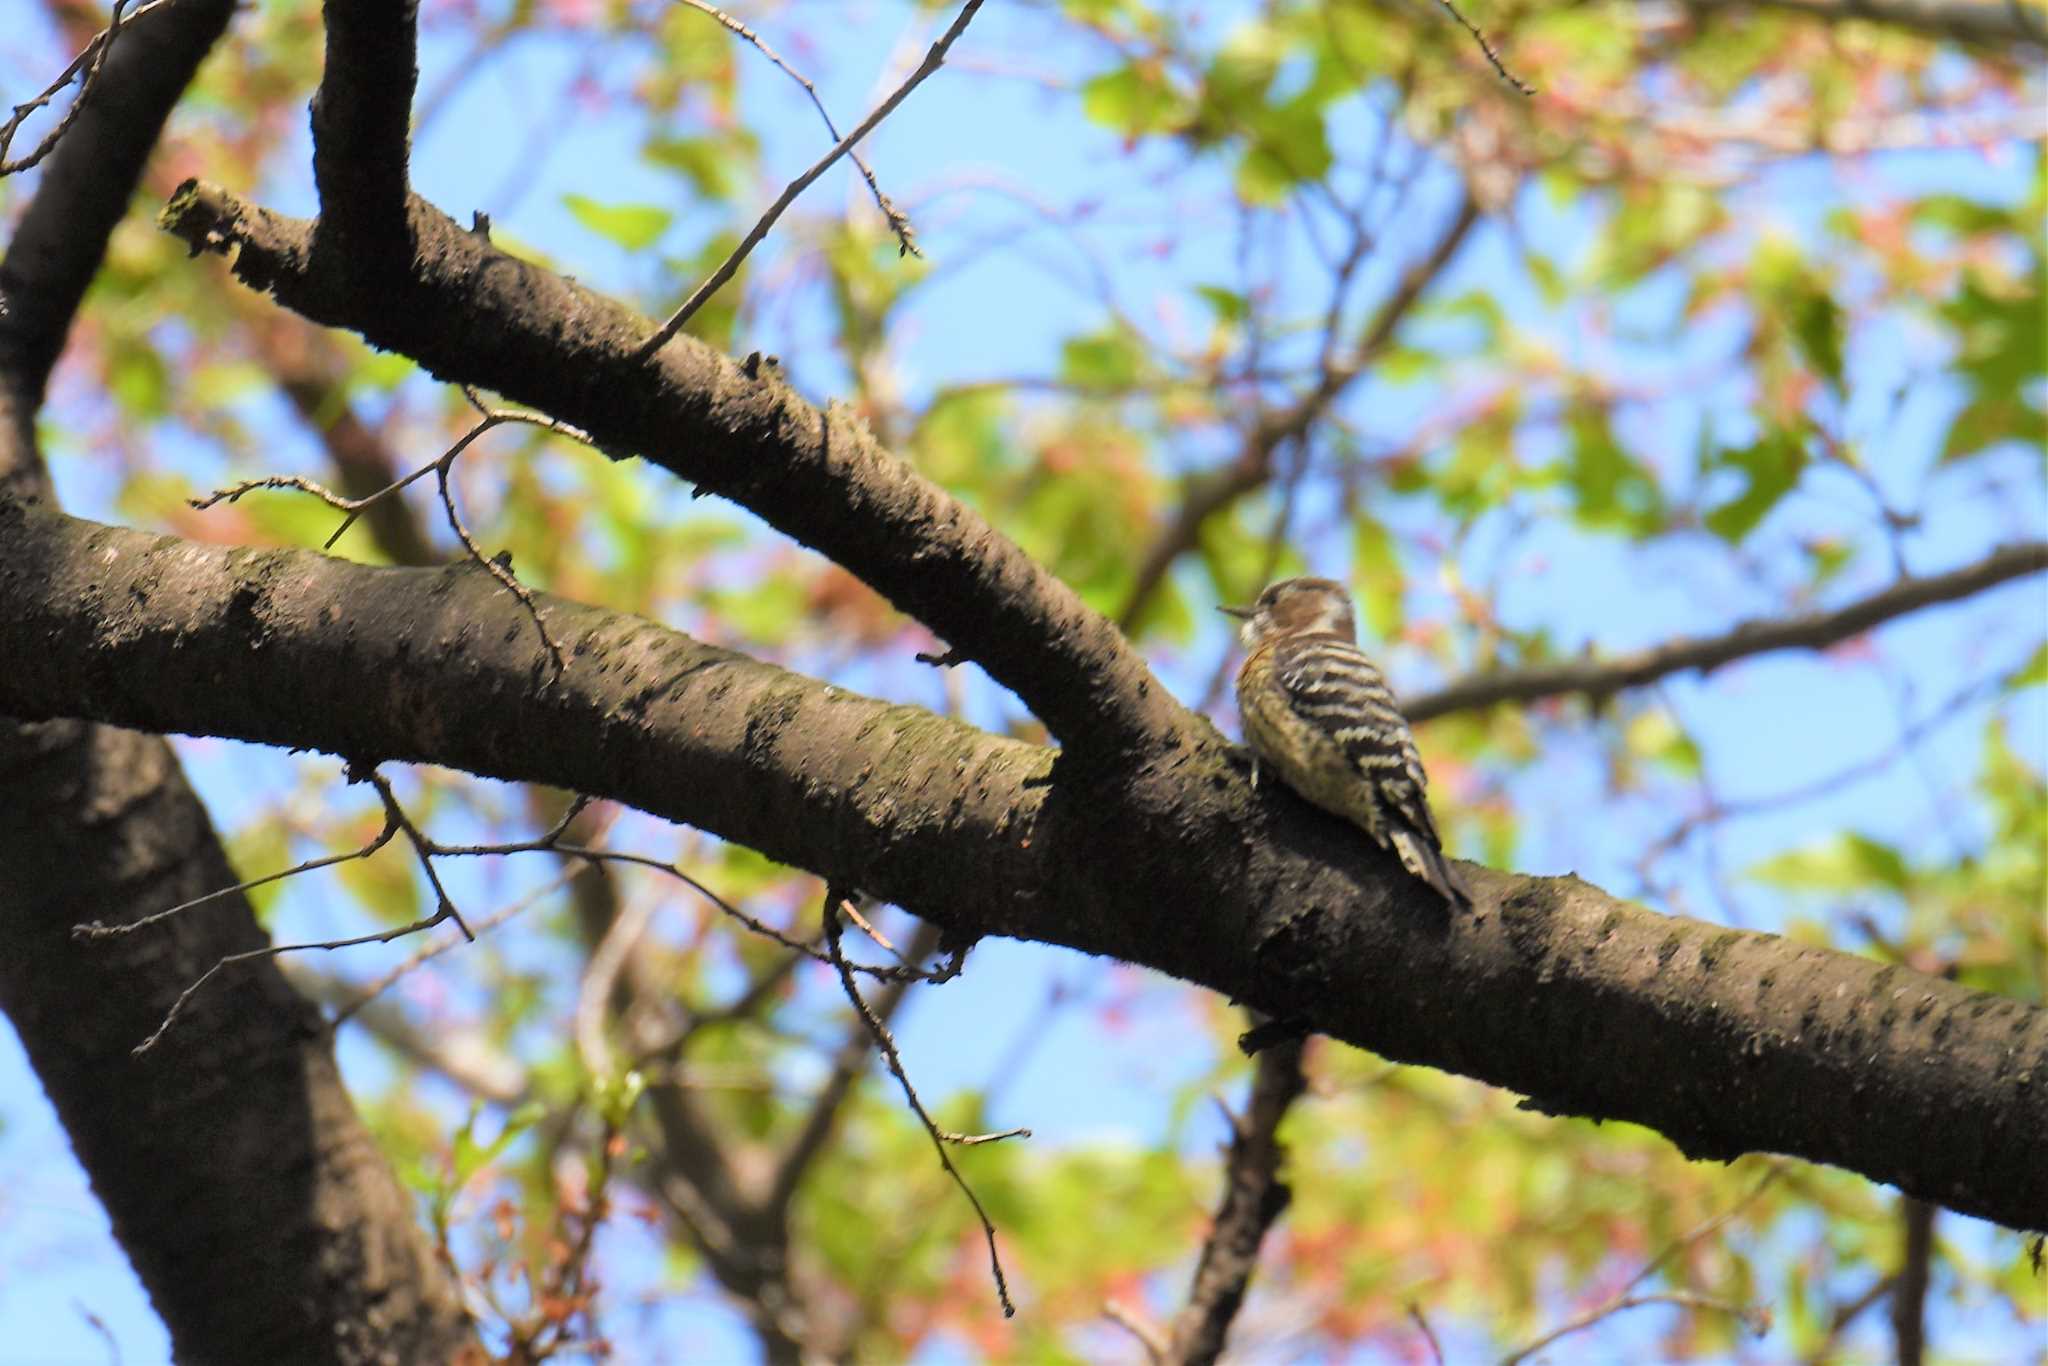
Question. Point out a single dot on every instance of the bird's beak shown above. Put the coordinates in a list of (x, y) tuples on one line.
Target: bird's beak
[(1241, 613)]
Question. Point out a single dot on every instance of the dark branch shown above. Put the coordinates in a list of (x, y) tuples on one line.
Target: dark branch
[(933, 60), (470, 313), (89, 181), (1725, 1041), (1909, 1289), (1600, 679), (1253, 1198), (362, 127)]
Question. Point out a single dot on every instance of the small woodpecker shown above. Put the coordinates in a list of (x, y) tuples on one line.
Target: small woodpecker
[(1317, 712)]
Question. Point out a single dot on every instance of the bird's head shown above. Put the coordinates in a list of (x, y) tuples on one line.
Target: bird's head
[(1297, 607)]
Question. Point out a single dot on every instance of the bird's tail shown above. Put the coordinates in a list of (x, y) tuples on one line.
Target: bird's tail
[(1422, 858)]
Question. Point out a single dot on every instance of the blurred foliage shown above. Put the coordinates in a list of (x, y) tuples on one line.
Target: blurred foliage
[(1751, 319)]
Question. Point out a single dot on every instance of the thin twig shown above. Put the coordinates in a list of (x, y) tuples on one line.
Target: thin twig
[(423, 848), (441, 912), (352, 508), (1703, 1230), (1148, 1333), (853, 914), (593, 998), (85, 68), (899, 222), (1436, 1349), (1520, 86), (1750, 1317), (940, 1137), (100, 930), (933, 60), (1846, 1314), (1753, 1318), (361, 997)]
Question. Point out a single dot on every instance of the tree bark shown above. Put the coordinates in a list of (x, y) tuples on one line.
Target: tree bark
[(256, 1208), (1724, 1041)]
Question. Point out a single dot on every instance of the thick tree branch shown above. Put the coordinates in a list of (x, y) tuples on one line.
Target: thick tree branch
[(1725, 1041), (1253, 1197), (87, 182), (362, 127), (1600, 679), (466, 311), (238, 1139), (237, 1136), (1909, 1290)]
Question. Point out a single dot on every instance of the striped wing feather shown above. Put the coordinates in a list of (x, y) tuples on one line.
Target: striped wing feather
[(1332, 684)]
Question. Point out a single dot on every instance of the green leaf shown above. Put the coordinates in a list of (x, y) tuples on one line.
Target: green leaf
[(1290, 147), (1228, 305), (1848, 863), (1376, 571), (1817, 327), (1105, 362), (2002, 335), (635, 227), (1656, 735), (470, 1157), (1992, 420), (2032, 673), (708, 163), (1610, 488), (1133, 100), (1772, 465), (140, 382)]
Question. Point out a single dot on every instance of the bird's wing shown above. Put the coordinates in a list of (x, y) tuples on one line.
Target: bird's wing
[(1334, 686)]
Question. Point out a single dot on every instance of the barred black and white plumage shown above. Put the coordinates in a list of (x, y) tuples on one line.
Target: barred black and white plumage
[(1319, 714)]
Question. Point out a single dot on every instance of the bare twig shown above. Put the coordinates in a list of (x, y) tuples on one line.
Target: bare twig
[(85, 68), (1910, 736), (423, 848), (760, 927), (1846, 1314), (853, 914), (370, 992), (899, 222), (1254, 463), (1751, 1318), (848, 1064), (352, 508), (441, 912), (933, 60), (99, 930), (1436, 1349), (940, 1137), (1755, 1319), (1493, 58), (1707, 1229), (600, 976), (1149, 1334)]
